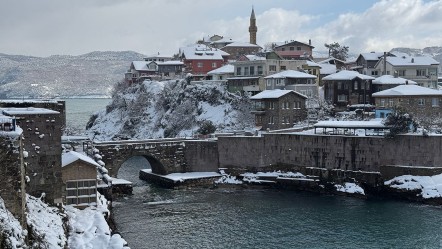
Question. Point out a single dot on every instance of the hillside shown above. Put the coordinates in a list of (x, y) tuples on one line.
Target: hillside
[(169, 109), (91, 74)]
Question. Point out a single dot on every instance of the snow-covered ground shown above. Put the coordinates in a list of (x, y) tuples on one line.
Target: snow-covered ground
[(430, 186), (180, 177), (10, 229), (349, 187)]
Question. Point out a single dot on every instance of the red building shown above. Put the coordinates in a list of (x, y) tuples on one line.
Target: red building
[(200, 59)]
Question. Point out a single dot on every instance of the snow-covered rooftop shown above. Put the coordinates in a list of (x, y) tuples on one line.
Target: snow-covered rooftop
[(11, 111), (226, 69), (140, 65), (412, 61), (347, 75), (73, 156), (169, 62), (313, 64), (291, 74), (373, 56), (273, 94), (389, 79), (253, 57), (202, 52), (408, 90), (242, 44), (327, 68)]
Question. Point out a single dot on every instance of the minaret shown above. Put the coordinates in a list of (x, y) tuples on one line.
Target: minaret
[(253, 29)]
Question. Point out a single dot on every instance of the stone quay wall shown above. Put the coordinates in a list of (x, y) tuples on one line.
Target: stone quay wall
[(201, 156), (12, 189), (291, 151)]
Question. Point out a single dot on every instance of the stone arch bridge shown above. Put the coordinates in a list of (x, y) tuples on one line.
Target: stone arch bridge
[(164, 155)]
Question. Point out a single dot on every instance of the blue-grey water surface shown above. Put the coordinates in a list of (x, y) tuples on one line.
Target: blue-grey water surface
[(248, 218)]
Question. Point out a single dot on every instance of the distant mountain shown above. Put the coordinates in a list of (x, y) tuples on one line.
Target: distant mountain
[(91, 74)]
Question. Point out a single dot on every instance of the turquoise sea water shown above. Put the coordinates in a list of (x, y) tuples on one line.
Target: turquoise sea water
[(249, 218), (78, 111)]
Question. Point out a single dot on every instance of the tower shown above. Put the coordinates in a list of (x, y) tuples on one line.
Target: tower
[(252, 28)]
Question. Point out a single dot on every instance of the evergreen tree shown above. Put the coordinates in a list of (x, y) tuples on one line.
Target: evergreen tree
[(337, 51), (399, 122)]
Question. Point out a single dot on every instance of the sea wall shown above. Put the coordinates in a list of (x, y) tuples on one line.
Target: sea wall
[(201, 156), (291, 151)]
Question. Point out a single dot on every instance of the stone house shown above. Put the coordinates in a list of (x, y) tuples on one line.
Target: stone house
[(419, 101), (278, 109), (421, 69), (294, 50), (79, 173), (346, 88), (301, 82), (313, 68)]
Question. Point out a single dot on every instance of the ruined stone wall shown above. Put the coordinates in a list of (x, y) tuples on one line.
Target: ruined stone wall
[(42, 141), (330, 152), (12, 187)]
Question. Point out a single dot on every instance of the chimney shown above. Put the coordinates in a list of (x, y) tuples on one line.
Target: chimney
[(385, 64), (406, 82), (412, 60), (310, 42)]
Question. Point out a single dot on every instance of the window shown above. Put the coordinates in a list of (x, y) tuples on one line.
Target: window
[(260, 70), (280, 82), (272, 67), (355, 85), (390, 103), (314, 71), (285, 120), (401, 72), (282, 49), (271, 105), (434, 102), (285, 105), (213, 64), (271, 120), (421, 72), (82, 191), (298, 48), (296, 105), (340, 86), (421, 102), (252, 70), (374, 72), (292, 48), (342, 98), (382, 102), (238, 71), (199, 64), (283, 68), (246, 70)]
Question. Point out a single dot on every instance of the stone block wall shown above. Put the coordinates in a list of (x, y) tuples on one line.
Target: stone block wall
[(42, 141), (201, 156), (330, 152), (12, 189)]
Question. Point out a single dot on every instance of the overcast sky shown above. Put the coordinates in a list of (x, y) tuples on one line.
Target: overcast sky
[(48, 27)]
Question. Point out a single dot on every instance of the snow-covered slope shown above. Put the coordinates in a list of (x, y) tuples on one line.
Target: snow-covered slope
[(92, 74), (169, 109)]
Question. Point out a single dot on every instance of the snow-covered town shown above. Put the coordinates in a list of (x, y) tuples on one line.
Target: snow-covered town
[(229, 115)]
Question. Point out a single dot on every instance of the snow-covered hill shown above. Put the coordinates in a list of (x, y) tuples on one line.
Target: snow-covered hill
[(91, 74), (169, 109)]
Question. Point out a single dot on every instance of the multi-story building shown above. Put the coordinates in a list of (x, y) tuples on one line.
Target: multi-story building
[(278, 109), (294, 50), (236, 49), (346, 88), (366, 62), (300, 82), (420, 102), (421, 69), (200, 59)]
